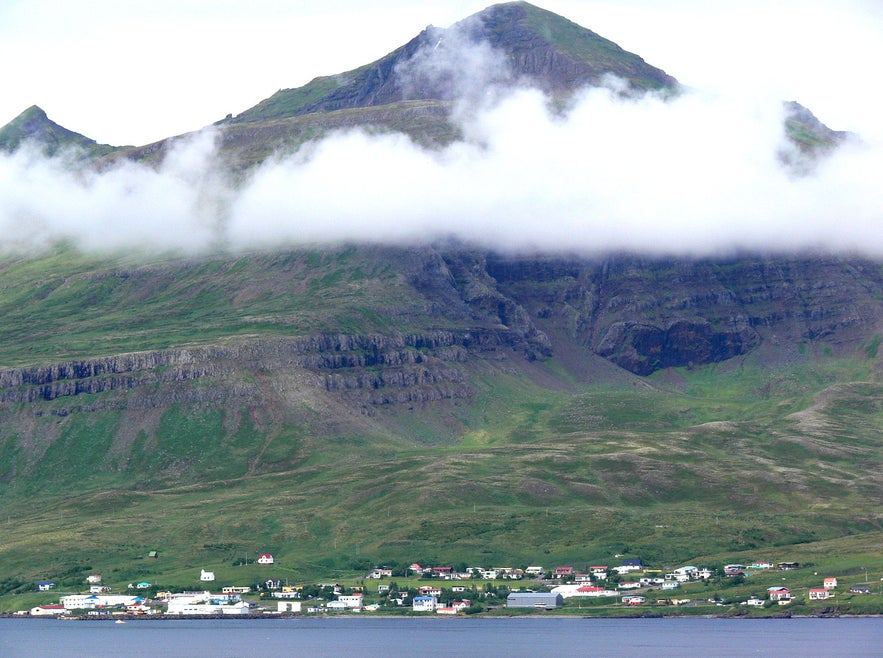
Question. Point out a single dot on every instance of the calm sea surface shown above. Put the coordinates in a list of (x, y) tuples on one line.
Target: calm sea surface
[(357, 636)]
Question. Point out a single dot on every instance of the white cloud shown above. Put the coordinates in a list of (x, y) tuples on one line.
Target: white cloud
[(697, 175)]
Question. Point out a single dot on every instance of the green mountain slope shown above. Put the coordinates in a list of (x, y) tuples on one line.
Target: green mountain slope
[(33, 125), (346, 406), (379, 404)]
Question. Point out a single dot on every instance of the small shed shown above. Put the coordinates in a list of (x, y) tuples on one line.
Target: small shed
[(534, 600)]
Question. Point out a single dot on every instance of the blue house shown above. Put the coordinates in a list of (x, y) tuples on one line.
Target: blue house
[(45, 585)]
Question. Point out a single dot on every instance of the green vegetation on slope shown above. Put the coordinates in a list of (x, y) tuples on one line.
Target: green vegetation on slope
[(559, 478), (109, 306)]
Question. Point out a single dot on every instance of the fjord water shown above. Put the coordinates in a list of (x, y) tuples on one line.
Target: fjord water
[(444, 637)]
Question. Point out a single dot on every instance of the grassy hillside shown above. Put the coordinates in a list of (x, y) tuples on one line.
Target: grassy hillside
[(727, 462)]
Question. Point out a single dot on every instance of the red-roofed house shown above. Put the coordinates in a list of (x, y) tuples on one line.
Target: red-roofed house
[(830, 583), (561, 572), (779, 594), (48, 610), (266, 558)]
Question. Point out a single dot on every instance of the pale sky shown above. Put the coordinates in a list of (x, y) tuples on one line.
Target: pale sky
[(133, 72)]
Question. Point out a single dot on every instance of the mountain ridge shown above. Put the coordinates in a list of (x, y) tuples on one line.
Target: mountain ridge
[(376, 402)]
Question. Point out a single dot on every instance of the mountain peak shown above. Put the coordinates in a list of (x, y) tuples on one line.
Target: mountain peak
[(34, 126), (514, 41)]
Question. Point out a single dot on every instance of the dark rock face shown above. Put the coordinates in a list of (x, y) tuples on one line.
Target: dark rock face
[(645, 314), (640, 314)]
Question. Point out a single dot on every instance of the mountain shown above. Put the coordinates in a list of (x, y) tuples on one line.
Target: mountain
[(362, 404), (33, 125), (533, 45)]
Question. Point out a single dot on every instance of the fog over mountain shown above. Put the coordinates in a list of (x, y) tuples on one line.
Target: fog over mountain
[(696, 174)]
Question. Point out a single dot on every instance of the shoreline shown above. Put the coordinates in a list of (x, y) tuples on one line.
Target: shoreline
[(164, 617)]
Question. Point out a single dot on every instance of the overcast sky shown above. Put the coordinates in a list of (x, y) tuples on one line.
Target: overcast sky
[(132, 72)]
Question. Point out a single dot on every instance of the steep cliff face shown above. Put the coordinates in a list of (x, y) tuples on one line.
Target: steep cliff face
[(467, 317), (645, 315)]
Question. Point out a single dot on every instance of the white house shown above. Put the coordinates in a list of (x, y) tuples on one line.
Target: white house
[(206, 576), (45, 585), (289, 606), (206, 603), (266, 558), (48, 611), (93, 579), (92, 601), (424, 604), (535, 571), (830, 583), (779, 593), (352, 601)]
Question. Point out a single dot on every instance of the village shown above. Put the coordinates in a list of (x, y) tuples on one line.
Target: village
[(442, 590)]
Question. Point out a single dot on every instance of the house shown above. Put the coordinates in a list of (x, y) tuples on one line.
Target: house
[(45, 585), (92, 601), (599, 572), (236, 589), (416, 569), (266, 558), (143, 585), (860, 589), (289, 606), (424, 604), (99, 589), (380, 573), (454, 608), (442, 572), (788, 566), (634, 600), (48, 611), (670, 584), (631, 564), (352, 601), (779, 594), (94, 579), (563, 572), (430, 590), (546, 600), (819, 594), (829, 583), (206, 576), (761, 565), (629, 585), (272, 583), (754, 601), (536, 572)]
